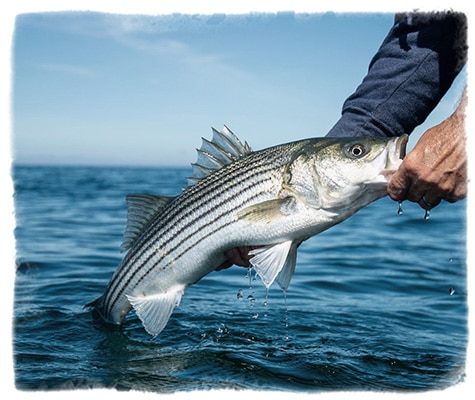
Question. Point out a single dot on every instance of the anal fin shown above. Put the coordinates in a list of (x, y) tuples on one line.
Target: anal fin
[(155, 310), (287, 271)]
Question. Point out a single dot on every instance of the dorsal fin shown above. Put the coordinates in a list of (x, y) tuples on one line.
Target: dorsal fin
[(141, 209), (224, 148)]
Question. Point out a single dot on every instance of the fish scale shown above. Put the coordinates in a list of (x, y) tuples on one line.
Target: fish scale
[(188, 230), (270, 198), (194, 203)]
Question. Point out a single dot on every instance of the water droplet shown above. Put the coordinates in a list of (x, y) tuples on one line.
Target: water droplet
[(255, 316), (251, 298), (239, 294), (427, 215), (249, 276), (451, 291), (399, 209)]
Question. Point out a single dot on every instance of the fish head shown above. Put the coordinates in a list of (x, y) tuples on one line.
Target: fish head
[(346, 172)]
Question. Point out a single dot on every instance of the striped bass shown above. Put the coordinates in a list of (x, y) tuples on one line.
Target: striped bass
[(274, 198)]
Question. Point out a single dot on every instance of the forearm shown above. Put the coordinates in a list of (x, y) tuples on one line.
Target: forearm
[(410, 73)]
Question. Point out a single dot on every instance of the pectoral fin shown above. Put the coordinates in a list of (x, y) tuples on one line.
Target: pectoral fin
[(154, 311), (268, 211), (276, 261)]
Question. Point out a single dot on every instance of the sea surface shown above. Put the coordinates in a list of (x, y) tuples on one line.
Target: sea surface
[(377, 303)]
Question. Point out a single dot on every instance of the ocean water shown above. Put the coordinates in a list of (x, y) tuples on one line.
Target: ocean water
[(377, 303)]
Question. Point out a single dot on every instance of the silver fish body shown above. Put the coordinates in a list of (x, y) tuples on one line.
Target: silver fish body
[(274, 198)]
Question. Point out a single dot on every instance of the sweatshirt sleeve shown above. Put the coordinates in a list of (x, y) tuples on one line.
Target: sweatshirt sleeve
[(412, 70)]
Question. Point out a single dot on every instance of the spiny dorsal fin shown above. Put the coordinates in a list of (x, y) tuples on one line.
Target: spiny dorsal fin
[(224, 148), (141, 209)]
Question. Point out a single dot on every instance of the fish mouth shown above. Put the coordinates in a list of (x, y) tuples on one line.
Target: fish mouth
[(401, 143), (396, 152)]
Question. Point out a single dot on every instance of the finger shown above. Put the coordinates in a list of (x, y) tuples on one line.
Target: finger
[(237, 256), (451, 199), (427, 202), (415, 193), (224, 265), (397, 186)]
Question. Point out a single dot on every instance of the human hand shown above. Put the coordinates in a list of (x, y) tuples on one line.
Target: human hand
[(436, 169), (237, 256)]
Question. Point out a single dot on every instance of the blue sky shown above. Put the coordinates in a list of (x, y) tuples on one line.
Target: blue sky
[(105, 88)]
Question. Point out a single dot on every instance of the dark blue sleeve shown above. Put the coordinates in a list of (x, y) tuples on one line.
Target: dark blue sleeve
[(410, 73)]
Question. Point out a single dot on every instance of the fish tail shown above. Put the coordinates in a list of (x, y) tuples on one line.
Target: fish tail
[(97, 309), (94, 303)]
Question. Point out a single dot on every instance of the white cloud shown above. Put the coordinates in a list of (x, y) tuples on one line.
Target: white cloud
[(68, 69)]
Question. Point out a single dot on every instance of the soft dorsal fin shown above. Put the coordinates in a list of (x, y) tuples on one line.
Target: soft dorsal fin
[(141, 209), (224, 148)]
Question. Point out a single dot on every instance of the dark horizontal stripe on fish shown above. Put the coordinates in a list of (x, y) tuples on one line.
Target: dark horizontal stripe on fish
[(191, 236), (194, 198), (238, 176), (239, 172), (124, 283), (215, 187)]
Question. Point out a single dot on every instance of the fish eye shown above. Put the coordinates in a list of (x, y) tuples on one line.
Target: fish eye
[(357, 150)]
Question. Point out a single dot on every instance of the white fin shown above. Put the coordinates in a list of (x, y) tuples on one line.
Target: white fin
[(154, 311), (223, 149), (268, 211), (141, 209), (268, 262), (287, 272)]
